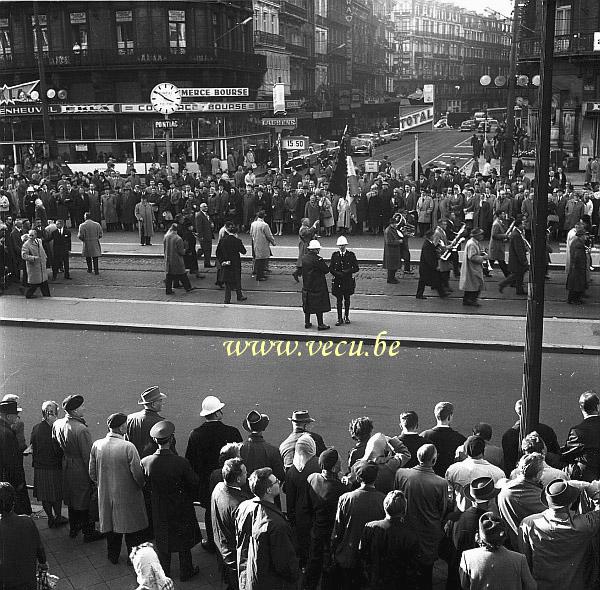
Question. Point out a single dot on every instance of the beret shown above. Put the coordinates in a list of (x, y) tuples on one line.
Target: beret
[(72, 402), (162, 429), (116, 420), (328, 458)]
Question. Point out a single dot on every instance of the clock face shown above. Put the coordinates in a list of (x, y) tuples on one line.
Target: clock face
[(165, 98)]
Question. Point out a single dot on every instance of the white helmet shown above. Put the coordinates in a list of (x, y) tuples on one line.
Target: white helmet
[(342, 241), (210, 405), (314, 245)]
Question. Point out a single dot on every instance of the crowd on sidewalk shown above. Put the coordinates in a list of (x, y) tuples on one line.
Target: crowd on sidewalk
[(522, 515), (445, 206)]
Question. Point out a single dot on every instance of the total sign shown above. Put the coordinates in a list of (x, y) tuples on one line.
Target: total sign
[(416, 119), (294, 143)]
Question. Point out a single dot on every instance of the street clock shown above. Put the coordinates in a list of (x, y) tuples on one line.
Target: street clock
[(165, 98)]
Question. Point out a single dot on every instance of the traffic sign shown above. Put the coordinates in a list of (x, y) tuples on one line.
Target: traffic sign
[(166, 124), (286, 122), (294, 143), (371, 166)]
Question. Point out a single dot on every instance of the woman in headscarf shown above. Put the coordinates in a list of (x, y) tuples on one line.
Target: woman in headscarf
[(150, 574), (296, 492), (389, 459)]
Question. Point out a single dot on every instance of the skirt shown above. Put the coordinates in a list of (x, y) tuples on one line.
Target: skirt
[(47, 484)]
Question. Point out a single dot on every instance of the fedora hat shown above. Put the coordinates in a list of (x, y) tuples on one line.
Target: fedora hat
[(481, 490), (152, 394), (301, 416), (476, 232), (210, 405), (559, 494), (491, 529), (11, 397), (256, 422)]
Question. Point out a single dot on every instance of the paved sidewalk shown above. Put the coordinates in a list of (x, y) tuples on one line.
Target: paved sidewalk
[(286, 323)]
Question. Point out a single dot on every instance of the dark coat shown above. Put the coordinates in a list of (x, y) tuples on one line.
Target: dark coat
[(22, 549), (61, 242), (392, 248), (257, 453), (173, 483), (583, 448), (510, 444), (203, 449), (138, 431), (11, 459), (517, 254), (203, 226), (342, 267), (446, 441), (315, 295), (577, 277), (428, 269), (413, 443), (229, 249)]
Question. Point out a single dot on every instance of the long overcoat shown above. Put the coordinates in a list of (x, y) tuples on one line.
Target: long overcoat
[(35, 258), (174, 249), (497, 247), (428, 268), (262, 238), (74, 438), (471, 271), (342, 267), (229, 249), (577, 277), (315, 295), (90, 233), (109, 206), (115, 467), (392, 248), (173, 485), (143, 213), (517, 254)]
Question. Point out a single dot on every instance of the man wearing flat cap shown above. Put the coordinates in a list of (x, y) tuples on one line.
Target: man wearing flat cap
[(173, 484), (11, 457), (115, 468), (301, 422), (558, 543), (140, 423), (256, 452), (204, 446), (74, 438)]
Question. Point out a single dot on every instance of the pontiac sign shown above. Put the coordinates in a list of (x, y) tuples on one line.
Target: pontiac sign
[(416, 119)]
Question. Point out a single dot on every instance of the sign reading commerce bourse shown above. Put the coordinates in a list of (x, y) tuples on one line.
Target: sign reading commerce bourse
[(203, 92)]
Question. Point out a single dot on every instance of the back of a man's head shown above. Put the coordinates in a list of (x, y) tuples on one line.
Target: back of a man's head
[(259, 481), (427, 455), (232, 469), (394, 504), (533, 443), (443, 411), (409, 420), (484, 430), (589, 402)]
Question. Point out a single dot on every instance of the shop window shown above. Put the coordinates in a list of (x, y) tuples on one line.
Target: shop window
[(124, 28), (72, 128), (43, 30), (106, 128), (124, 128), (177, 39), (89, 129)]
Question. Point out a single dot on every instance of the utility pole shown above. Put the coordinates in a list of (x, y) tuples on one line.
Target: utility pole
[(48, 135), (508, 142), (532, 366)]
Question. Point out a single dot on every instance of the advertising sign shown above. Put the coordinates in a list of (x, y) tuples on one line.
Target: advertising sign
[(166, 124), (283, 122), (278, 98), (416, 118), (294, 143), (428, 93), (205, 92)]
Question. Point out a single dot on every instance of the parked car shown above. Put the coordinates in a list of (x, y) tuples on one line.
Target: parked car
[(372, 137), (488, 126), (386, 136), (468, 125), (396, 133), (361, 147), (442, 124)]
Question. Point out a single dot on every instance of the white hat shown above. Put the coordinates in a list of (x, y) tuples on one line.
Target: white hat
[(210, 405), (314, 245), (342, 241)]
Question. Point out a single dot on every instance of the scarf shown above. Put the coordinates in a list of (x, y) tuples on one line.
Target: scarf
[(305, 450)]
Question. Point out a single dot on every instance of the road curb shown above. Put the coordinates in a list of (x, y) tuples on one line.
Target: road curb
[(410, 342)]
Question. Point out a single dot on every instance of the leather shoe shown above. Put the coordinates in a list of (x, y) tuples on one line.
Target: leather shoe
[(346, 320), (471, 304), (323, 327), (309, 325), (339, 323), (242, 298), (191, 289), (114, 560), (60, 521), (185, 577), (208, 546), (93, 536), (170, 292)]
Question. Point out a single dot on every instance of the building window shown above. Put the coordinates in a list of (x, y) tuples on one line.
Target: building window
[(125, 37), (79, 30), (563, 21), (321, 8), (320, 40), (5, 46), (43, 28), (177, 42)]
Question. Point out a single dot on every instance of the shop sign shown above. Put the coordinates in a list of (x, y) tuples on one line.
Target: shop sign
[(123, 16), (18, 93), (41, 18), (294, 143), (81, 147), (166, 124), (205, 92), (16, 111), (201, 107), (416, 119), (280, 122), (177, 16), (94, 108), (78, 18), (593, 107), (3, 23)]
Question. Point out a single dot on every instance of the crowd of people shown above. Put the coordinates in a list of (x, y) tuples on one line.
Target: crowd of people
[(442, 205), (523, 515)]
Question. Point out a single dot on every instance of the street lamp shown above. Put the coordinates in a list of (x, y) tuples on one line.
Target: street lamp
[(243, 23)]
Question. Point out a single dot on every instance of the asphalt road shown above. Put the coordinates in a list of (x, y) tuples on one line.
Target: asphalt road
[(111, 369)]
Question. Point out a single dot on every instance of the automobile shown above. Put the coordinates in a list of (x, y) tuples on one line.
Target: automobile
[(479, 116), (468, 125), (488, 126), (361, 147), (372, 137), (386, 136), (396, 133), (332, 147), (442, 124)]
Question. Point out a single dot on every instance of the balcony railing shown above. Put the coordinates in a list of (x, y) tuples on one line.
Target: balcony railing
[(269, 39), (572, 44), (293, 10), (136, 57), (297, 50)]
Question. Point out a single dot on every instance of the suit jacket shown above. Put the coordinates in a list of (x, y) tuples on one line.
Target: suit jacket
[(583, 448), (203, 449), (257, 453), (203, 226), (61, 241), (517, 254), (342, 267), (173, 484)]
